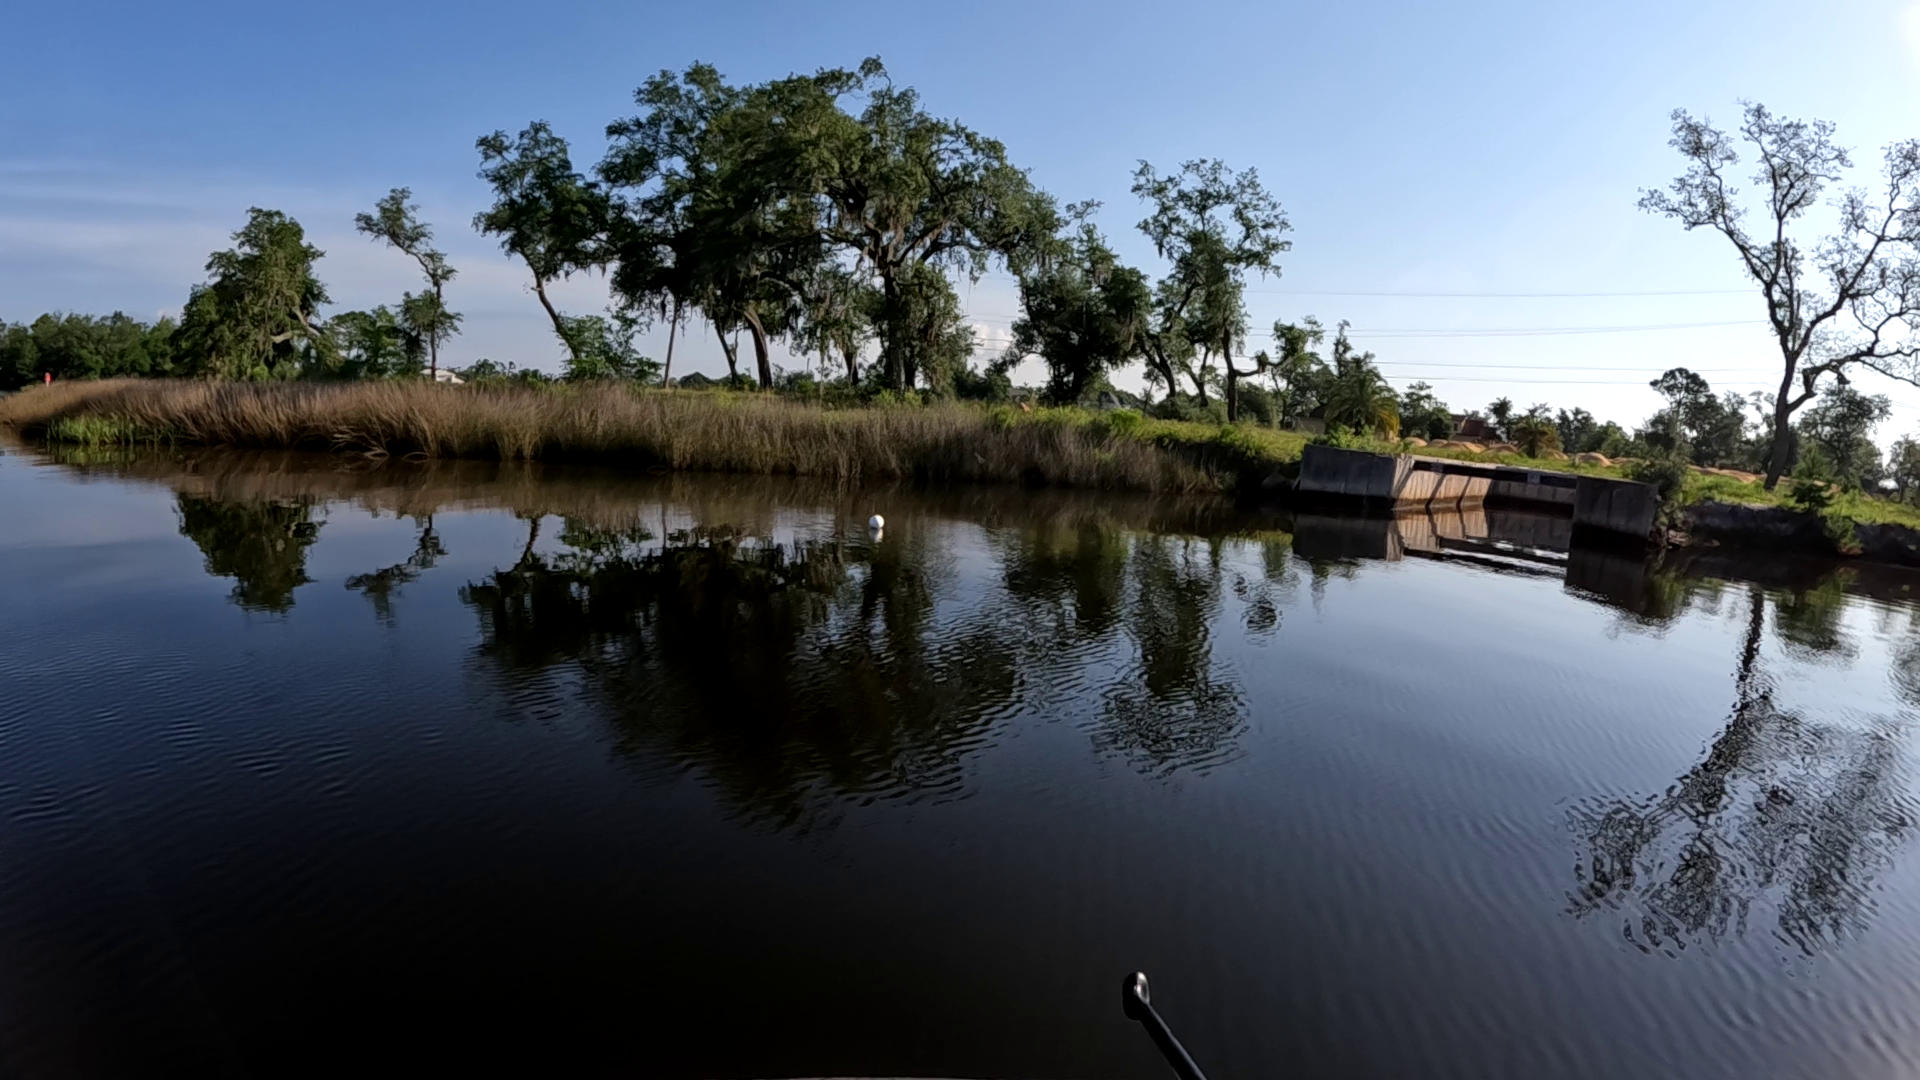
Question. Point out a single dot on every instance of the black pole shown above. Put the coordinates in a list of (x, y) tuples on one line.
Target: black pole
[(1139, 1006)]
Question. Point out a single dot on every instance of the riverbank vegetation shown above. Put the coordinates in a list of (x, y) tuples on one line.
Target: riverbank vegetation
[(679, 430), (720, 430), (832, 215)]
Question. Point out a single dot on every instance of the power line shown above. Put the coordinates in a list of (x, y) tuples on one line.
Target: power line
[(1562, 367), (1469, 332), (1546, 382), (1503, 295), (1475, 295), (1537, 331)]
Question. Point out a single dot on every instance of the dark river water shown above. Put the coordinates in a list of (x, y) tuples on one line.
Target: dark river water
[(310, 766)]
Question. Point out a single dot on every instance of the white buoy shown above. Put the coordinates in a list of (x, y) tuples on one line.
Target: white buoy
[(876, 523)]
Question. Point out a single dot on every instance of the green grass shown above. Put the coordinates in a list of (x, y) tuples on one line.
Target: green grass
[(1708, 487), (1224, 445), (1852, 506), (1870, 511), (96, 429)]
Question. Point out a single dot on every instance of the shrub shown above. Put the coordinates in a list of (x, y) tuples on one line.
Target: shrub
[(1340, 435), (1667, 470), (1123, 422), (1812, 487), (1188, 408)]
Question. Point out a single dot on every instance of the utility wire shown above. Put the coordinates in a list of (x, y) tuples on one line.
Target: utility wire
[(1533, 331), (1564, 367), (1468, 332), (1504, 295), (1474, 295), (1548, 382)]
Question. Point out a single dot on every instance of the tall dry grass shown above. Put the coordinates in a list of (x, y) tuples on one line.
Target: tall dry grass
[(714, 432)]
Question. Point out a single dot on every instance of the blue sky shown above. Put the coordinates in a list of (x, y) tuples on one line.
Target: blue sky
[(1484, 148)]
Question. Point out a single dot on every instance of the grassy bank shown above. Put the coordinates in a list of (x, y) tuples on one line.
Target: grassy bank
[(748, 433), (1701, 486), (681, 431)]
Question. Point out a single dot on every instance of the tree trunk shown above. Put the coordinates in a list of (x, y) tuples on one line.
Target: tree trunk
[(533, 534), (1782, 435), (731, 348), (1233, 382), (1198, 373), (895, 364), (559, 327), (853, 368), (673, 331), (1165, 367), (762, 355), (433, 337)]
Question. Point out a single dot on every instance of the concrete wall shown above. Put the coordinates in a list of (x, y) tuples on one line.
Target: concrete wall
[(1523, 485), (1400, 479), (1625, 507), (1426, 486), (1329, 470)]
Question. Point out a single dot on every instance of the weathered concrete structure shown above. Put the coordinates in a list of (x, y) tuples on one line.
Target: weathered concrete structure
[(1387, 479), (1623, 508)]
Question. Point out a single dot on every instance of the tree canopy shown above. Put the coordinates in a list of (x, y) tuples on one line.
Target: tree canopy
[(257, 315), (425, 314), (1849, 299), (1084, 313), (546, 214), (1214, 226)]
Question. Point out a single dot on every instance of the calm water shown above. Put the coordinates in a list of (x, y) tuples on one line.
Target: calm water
[(309, 768)]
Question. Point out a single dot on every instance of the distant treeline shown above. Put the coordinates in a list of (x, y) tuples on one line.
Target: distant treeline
[(84, 347)]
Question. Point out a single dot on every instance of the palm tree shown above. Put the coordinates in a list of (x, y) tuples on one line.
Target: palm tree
[(1358, 396)]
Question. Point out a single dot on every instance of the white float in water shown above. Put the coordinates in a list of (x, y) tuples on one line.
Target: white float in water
[(876, 523)]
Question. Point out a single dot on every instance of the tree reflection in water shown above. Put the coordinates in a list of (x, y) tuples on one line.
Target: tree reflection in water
[(260, 543), (381, 585), (790, 673), (798, 674), (1782, 811), (1173, 710)]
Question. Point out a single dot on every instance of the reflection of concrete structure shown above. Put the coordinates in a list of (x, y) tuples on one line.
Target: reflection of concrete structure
[(1404, 482), (1618, 581), (1520, 541)]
